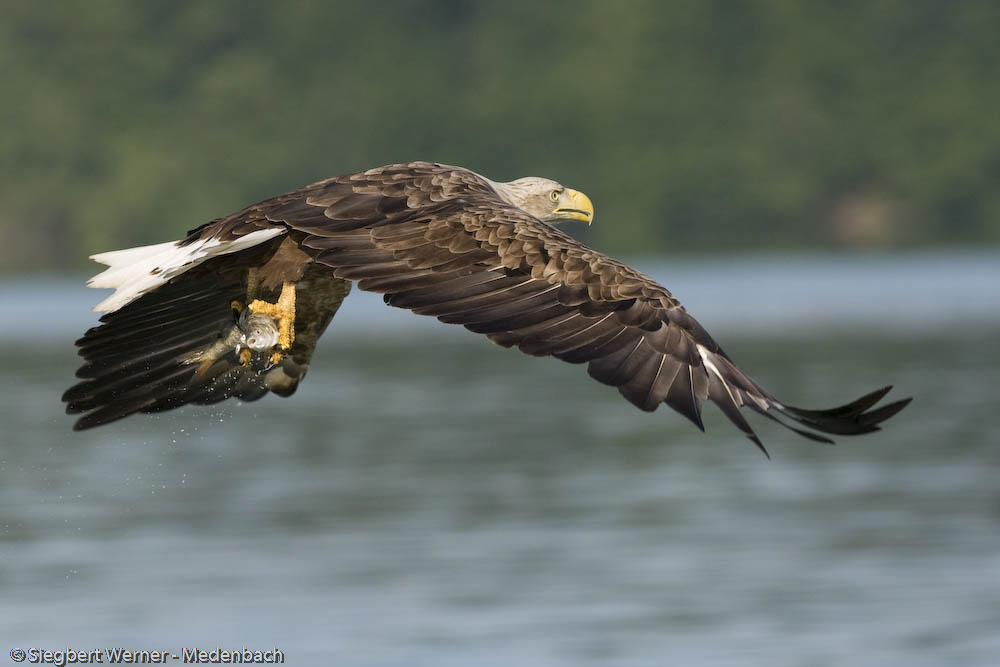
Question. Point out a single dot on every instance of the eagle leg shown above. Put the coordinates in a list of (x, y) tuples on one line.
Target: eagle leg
[(252, 282), (284, 311)]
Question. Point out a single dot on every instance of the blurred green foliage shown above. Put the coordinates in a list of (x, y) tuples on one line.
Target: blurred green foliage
[(692, 125)]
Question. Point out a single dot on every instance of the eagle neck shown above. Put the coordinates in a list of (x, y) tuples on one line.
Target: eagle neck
[(507, 191)]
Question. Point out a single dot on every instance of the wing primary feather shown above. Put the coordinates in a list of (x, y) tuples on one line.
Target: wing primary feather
[(605, 368), (631, 365), (839, 421), (815, 437), (649, 385), (723, 397), (848, 410), (681, 397)]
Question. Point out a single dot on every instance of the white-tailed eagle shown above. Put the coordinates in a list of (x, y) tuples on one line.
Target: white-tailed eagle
[(235, 308)]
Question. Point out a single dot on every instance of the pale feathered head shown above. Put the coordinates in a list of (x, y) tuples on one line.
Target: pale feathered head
[(546, 200)]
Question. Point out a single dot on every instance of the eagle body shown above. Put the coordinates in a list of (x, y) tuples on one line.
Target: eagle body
[(434, 239)]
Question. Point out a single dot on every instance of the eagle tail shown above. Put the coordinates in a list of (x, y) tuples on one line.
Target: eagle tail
[(136, 271)]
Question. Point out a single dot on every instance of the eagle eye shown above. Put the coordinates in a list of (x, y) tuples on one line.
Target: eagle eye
[(554, 195)]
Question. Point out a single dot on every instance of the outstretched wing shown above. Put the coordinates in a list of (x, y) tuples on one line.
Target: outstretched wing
[(439, 241)]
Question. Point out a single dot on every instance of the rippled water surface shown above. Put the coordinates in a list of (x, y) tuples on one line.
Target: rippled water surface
[(428, 498)]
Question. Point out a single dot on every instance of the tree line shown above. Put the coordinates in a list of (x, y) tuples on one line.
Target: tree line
[(694, 127)]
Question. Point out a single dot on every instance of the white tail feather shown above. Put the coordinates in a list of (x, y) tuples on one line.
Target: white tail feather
[(122, 262), (135, 271)]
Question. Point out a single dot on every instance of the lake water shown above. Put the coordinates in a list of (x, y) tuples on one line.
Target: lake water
[(427, 498)]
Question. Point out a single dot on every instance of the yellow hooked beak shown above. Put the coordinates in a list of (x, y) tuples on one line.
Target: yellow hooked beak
[(574, 205)]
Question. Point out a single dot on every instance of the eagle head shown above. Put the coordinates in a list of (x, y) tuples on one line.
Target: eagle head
[(547, 200)]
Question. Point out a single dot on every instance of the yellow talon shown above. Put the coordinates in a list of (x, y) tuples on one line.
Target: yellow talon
[(283, 310), (246, 354), (276, 357), (237, 306)]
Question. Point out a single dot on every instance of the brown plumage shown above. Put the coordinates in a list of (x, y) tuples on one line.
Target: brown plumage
[(440, 241)]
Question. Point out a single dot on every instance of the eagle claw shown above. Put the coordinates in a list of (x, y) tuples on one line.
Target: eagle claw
[(283, 310)]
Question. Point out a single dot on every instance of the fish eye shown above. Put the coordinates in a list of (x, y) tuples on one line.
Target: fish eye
[(554, 195)]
